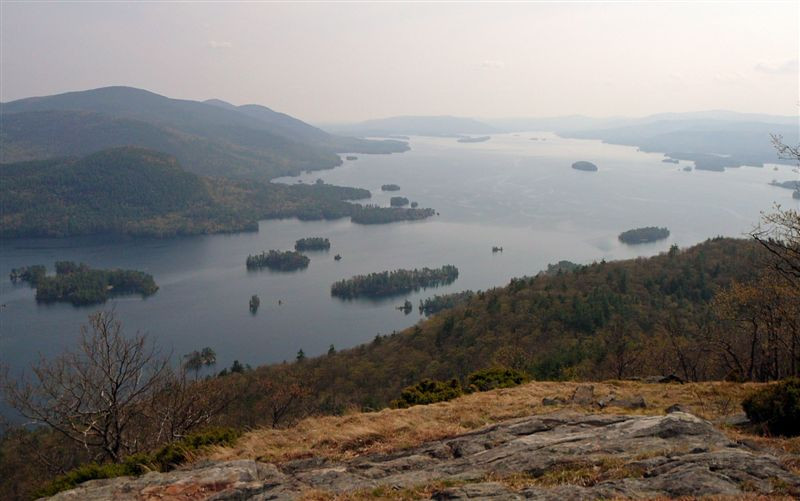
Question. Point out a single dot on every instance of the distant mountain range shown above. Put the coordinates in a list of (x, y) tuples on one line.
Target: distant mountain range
[(210, 138), (573, 123), (714, 140), (711, 144)]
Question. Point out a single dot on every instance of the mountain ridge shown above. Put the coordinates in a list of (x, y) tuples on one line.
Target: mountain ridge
[(210, 139)]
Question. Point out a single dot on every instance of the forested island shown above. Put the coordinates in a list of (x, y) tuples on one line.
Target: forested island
[(80, 285), (398, 201), (585, 166), (643, 235), (438, 303), (373, 214), (278, 260), (389, 283), (312, 243), (390, 187), (478, 139), (255, 302)]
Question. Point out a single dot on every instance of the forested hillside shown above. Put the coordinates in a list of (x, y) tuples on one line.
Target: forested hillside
[(141, 192), (253, 142), (655, 316)]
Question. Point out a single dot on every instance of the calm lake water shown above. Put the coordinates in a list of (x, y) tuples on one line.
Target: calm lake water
[(511, 191)]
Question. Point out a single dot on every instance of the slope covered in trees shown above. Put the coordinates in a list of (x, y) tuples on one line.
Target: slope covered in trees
[(251, 141), (639, 317), (136, 191)]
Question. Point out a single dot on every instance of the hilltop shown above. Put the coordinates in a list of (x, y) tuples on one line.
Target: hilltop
[(209, 138)]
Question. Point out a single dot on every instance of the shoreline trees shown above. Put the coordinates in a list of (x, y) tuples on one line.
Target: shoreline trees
[(389, 283)]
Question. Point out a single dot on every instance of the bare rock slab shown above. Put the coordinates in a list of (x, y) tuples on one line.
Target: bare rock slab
[(613, 456)]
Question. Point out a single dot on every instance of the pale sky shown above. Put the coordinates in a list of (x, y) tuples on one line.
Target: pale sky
[(326, 62)]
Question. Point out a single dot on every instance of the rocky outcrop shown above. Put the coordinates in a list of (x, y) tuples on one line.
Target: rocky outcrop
[(557, 456)]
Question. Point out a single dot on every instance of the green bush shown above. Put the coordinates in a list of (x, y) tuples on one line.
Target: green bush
[(166, 458), (428, 391), (776, 407), (496, 377), (84, 473)]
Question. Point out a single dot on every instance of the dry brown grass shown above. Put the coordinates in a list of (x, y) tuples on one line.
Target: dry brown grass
[(342, 437)]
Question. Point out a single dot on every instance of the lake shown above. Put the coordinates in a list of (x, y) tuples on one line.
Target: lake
[(510, 191)]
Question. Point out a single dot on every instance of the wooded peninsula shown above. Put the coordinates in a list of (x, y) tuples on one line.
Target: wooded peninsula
[(154, 196)]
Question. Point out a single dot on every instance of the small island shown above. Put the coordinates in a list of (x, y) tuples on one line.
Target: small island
[(584, 166), (351, 157), (479, 139), (312, 243), (414, 205), (255, 302), (390, 187), (278, 261), (373, 214), (407, 307), (80, 285), (643, 235), (398, 201), (390, 283)]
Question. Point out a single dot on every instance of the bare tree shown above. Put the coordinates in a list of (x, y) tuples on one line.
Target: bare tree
[(779, 231), (181, 405), (98, 394)]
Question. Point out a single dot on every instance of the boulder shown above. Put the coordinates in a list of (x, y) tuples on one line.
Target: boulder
[(583, 395)]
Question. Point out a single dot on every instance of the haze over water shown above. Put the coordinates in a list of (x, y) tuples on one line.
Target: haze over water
[(511, 191)]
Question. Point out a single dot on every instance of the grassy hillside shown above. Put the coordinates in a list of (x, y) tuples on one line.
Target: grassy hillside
[(342, 437), (253, 142), (141, 192)]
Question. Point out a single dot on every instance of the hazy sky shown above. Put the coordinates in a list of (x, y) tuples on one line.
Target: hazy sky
[(350, 61)]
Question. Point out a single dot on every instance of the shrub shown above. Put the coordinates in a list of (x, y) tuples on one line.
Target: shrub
[(428, 391), (166, 458), (776, 407), (496, 377)]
